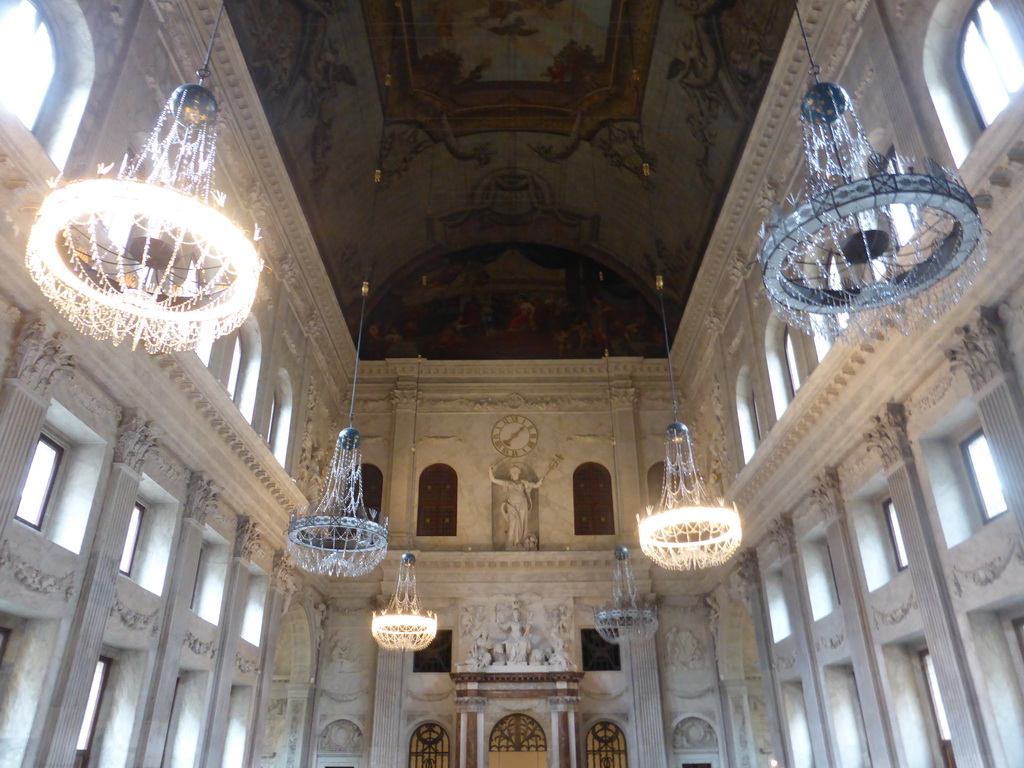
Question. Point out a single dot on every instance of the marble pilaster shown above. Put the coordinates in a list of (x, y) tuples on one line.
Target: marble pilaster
[(924, 543), (649, 721), (385, 744), (403, 465), (627, 464)]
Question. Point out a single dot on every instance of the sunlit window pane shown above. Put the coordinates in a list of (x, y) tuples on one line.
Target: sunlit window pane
[(236, 365), (131, 541), (992, 61), (26, 58), (986, 480), (41, 473), (941, 721), (791, 366), (92, 705), (896, 535)]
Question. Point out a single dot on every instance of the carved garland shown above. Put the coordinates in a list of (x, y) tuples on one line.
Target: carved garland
[(33, 579)]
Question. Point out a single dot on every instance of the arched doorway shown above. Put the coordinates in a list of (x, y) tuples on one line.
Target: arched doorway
[(517, 741)]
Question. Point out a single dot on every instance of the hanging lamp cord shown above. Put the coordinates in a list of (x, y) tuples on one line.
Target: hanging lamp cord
[(659, 286), (204, 71), (359, 347), (815, 70)]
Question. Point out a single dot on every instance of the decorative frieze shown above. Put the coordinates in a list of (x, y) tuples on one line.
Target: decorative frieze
[(990, 571), (133, 619), (39, 359), (200, 647), (896, 615), (980, 349), (33, 579), (136, 437), (246, 666)]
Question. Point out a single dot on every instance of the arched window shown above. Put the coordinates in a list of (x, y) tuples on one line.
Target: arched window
[(776, 343), (606, 746), (244, 369), (437, 514), (655, 483), (47, 56), (746, 413), (517, 733), (592, 505), (373, 487), (991, 58), (428, 747), (281, 417)]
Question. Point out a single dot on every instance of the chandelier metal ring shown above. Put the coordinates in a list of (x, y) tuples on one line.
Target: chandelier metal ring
[(789, 281)]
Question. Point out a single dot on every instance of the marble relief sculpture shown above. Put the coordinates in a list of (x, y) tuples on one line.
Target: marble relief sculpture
[(516, 508), (513, 642)]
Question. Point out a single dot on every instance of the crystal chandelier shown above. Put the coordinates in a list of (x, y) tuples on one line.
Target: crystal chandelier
[(145, 256), (876, 243), (687, 529), (404, 625), (626, 617), (337, 535)]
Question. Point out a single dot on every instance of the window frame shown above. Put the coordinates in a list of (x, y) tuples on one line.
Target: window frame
[(945, 744), (201, 568), (5, 642), (974, 18), (426, 526), (586, 513), (59, 449), (84, 755), (132, 553), (897, 543), (972, 477)]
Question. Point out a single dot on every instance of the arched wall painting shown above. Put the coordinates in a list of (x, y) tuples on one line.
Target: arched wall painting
[(513, 301)]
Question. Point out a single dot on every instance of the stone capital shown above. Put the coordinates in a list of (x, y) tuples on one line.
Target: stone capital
[(888, 435), (202, 498), (980, 349), (624, 397), (248, 537), (827, 495), (136, 437), (748, 569), (404, 399), (470, 704), (39, 359), (283, 580), (781, 535)]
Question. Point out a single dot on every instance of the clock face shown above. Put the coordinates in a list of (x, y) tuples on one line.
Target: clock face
[(514, 435)]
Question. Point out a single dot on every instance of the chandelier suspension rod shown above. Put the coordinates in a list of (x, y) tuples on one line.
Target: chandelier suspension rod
[(359, 345), (659, 287), (204, 71)]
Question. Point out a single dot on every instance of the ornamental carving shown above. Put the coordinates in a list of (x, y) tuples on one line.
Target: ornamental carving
[(888, 435), (133, 619), (988, 572), (248, 537), (199, 647), (827, 495), (781, 534), (694, 733), (202, 497), (980, 349), (136, 437), (830, 643), (39, 360), (284, 578), (34, 580), (748, 569), (246, 666), (341, 736), (896, 615)]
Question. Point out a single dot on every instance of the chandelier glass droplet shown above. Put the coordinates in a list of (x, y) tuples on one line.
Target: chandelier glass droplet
[(687, 529), (627, 616), (149, 256), (877, 242), (404, 625), (337, 535)]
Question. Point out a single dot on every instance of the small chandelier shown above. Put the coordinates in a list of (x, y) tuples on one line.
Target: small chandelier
[(338, 535), (145, 256), (404, 625), (626, 617), (686, 529), (876, 243)]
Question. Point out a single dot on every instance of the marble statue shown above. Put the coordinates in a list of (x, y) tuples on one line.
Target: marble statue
[(559, 657), (515, 509), (517, 644)]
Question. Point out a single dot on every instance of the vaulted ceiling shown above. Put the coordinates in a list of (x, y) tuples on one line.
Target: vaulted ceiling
[(540, 160)]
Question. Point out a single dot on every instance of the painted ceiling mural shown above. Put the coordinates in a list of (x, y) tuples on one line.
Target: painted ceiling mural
[(513, 301), (625, 118)]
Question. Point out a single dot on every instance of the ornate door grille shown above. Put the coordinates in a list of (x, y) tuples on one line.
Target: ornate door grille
[(428, 747), (518, 733), (606, 746)]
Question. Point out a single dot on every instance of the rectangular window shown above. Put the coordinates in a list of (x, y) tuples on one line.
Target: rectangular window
[(42, 472), (987, 489), (892, 521), (92, 710), (938, 709), (598, 654), (131, 541), (5, 638), (436, 657), (1018, 630), (201, 566)]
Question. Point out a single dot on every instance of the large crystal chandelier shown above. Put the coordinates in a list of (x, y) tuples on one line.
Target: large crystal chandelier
[(404, 625), (337, 535), (627, 616), (145, 256), (876, 243), (687, 529)]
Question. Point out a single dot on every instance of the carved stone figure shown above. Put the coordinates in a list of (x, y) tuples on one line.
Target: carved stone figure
[(515, 510), (559, 657), (480, 654), (517, 644), (341, 736)]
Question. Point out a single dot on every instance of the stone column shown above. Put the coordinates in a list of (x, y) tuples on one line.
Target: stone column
[(867, 666), (627, 464), (981, 352), (84, 638), (279, 597), (386, 743), (889, 437), (562, 749), (218, 699), (403, 464), (749, 572), (37, 362), (157, 715), (649, 722), (794, 586), (469, 729)]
